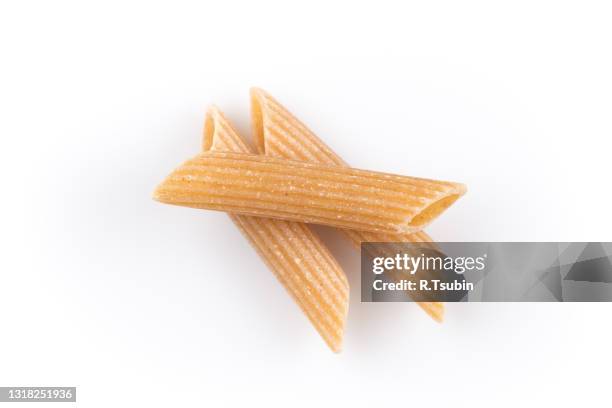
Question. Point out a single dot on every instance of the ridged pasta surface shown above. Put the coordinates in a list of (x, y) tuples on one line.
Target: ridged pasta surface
[(279, 133), (296, 256), (298, 191)]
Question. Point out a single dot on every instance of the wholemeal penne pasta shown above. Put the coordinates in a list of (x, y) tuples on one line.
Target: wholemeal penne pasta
[(297, 257), (278, 133), (298, 191)]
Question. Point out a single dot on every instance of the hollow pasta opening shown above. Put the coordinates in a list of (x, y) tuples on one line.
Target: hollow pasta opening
[(257, 122), (209, 132), (433, 210)]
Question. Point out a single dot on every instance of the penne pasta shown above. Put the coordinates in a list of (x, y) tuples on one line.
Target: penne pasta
[(278, 133), (298, 191), (296, 256)]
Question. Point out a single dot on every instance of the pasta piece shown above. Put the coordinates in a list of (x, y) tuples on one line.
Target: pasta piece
[(278, 133), (297, 191), (298, 258)]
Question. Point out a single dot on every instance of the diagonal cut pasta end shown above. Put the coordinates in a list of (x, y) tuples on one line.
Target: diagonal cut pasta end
[(258, 97), (434, 309), (219, 135), (277, 132), (164, 192), (437, 206)]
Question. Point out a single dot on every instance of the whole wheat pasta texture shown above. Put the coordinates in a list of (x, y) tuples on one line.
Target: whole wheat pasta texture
[(298, 191), (296, 256), (279, 133)]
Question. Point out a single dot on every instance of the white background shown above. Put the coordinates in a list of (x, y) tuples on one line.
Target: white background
[(141, 304)]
